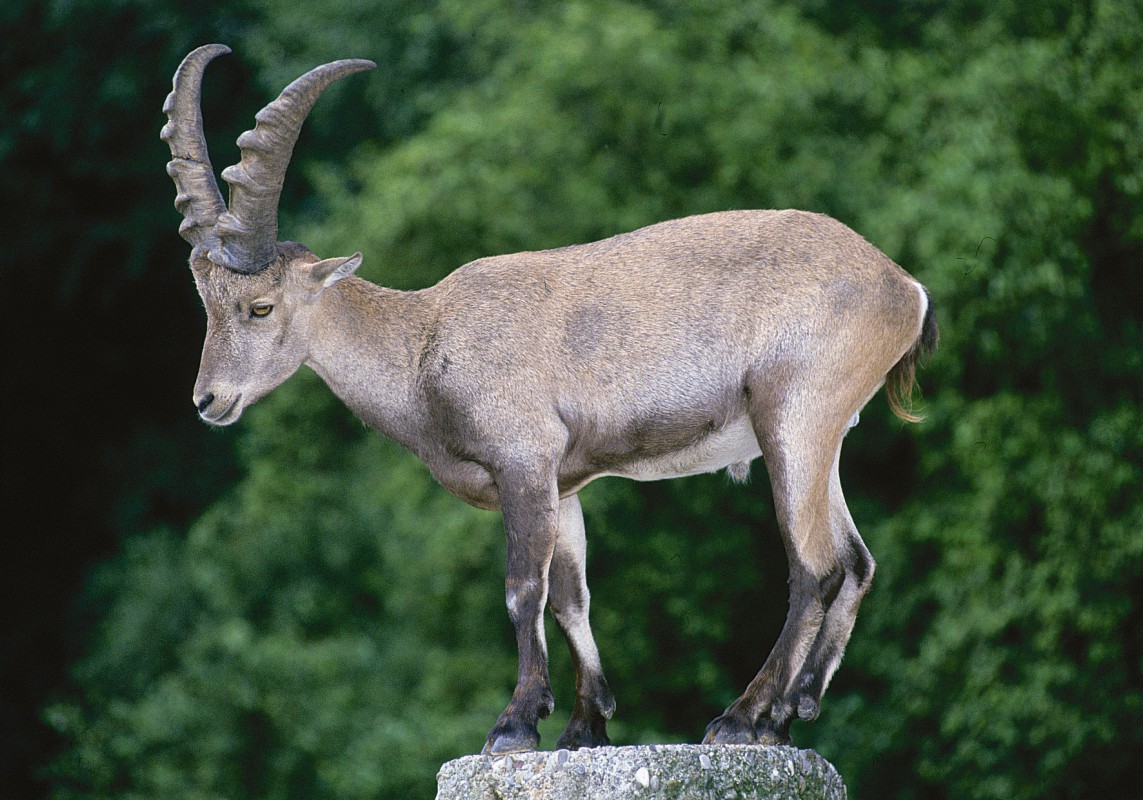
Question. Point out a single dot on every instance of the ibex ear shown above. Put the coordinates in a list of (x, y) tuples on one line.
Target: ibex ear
[(329, 271)]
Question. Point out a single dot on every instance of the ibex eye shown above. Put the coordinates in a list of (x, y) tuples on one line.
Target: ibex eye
[(261, 309)]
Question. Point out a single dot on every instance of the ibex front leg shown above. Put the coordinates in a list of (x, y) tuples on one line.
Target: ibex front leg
[(569, 599), (530, 504)]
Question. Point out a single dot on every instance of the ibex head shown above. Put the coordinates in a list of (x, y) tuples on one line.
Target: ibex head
[(259, 293)]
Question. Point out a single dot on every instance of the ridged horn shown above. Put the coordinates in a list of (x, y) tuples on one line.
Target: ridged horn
[(247, 234), (197, 196)]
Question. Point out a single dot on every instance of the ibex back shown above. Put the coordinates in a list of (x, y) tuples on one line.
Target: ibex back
[(683, 347)]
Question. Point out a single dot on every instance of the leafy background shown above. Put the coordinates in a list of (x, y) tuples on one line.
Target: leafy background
[(292, 608)]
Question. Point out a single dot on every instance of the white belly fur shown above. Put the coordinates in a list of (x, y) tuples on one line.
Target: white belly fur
[(732, 444)]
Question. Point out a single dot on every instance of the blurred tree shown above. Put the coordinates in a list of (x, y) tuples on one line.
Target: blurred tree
[(1001, 654), (333, 626), (102, 316), (96, 311)]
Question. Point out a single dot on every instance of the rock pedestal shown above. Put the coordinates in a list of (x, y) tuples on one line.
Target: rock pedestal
[(678, 772)]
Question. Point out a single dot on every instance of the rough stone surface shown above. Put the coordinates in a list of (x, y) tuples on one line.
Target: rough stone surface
[(685, 772)]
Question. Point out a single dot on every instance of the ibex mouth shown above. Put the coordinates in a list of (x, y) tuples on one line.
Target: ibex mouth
[(223, 413)]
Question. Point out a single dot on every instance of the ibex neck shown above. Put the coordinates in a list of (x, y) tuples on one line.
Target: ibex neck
[(366, 349)]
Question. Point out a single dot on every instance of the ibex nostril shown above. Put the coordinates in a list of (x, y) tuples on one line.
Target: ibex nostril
[(204, 404)]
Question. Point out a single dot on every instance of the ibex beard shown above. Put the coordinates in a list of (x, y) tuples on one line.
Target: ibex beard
[(684, 347)]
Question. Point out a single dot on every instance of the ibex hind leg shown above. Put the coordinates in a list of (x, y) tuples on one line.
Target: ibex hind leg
[(569, 600), (799, 453), (806, 692)]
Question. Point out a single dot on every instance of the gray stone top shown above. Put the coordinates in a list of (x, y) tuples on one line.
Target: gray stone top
[(682, 772)]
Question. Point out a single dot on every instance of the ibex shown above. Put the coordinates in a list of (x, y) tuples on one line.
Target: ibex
[(681, 348)]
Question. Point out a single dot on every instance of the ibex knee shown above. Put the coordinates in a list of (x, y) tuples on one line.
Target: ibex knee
[(523, 599)]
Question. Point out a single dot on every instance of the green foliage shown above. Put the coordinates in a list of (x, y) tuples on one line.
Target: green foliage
[(334, 627)]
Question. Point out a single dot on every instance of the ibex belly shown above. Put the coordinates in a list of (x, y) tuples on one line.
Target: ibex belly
[(734, 443)]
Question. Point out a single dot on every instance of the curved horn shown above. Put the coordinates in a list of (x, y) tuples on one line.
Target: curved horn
[(197, 197), (248, 233)]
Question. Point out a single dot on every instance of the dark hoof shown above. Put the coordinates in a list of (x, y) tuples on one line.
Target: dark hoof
[(808, 708), (582, 733), (729, 729), (770, 732), (509, 738)]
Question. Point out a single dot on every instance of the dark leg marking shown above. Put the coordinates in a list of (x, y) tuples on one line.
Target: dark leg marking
[(826, 653)]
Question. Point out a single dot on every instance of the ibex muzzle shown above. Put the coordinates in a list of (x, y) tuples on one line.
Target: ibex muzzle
[(683, 347)]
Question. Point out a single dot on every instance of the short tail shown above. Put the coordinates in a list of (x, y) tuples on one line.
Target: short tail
[(901, 380)]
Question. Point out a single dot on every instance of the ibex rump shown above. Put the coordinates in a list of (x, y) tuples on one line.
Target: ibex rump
[(680, 348)]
